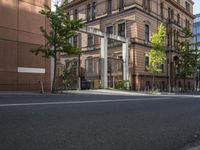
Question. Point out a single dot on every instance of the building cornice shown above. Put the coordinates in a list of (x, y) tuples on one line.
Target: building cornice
[(174, 3)]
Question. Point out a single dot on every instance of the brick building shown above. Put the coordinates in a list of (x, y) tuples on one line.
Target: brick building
[(19, 33), (136, 19)]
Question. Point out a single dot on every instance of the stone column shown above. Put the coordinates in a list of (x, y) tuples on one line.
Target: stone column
[(104, 62)]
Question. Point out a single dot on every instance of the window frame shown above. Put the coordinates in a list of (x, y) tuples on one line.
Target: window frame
[(90, 36), (93, 15), (124, 28), (149, 32), (88, 12), (109, 7), (121, 5), (146, 62), (110, 26)]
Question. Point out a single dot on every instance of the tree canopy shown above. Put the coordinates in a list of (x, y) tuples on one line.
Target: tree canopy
[(157, 55), (62, 28)]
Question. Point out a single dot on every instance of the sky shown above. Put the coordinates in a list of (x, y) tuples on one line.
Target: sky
[(54, 2), (196, 7)]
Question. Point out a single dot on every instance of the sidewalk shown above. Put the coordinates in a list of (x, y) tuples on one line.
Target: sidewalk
[(127, 93), (19, 93), (104, 92)]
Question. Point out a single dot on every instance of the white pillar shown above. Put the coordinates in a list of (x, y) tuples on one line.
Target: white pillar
[(125, 57), (104, 62)]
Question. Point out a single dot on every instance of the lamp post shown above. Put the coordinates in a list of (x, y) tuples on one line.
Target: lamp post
[(198, 70), (170, 88), (79, 72)]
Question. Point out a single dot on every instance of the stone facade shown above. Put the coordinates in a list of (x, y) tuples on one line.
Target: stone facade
[(136, 19), (19, 33)]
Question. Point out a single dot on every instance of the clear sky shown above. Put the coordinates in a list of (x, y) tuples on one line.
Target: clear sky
[(196, 6)]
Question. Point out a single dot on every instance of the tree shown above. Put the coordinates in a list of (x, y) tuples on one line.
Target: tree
[(157, 55), (62, 28), (188, 56)]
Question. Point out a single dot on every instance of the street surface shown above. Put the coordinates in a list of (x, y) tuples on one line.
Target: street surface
[(98, 122)]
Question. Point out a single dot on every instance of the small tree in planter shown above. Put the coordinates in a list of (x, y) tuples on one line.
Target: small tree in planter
[(157, 55)]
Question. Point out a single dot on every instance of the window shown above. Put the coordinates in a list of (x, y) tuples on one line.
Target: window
[(93, 10), (147, 5), (119, 63), (90, 40), (168, 40), (92, 65), (96, 66), (187, 6), (169, 13), (109, 11), (146, 33), (88, 12), (175, 41), (75, 14), (187, 24), (178, 19), (109, 30), (146, 62), (89, 65), (75, 41), (161, 10), (71, 40), (162, 67), (177, 35), (121, 5), (121, 29), (172, 14)]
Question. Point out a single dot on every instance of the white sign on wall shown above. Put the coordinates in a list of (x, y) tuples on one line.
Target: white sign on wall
[(30, 70)]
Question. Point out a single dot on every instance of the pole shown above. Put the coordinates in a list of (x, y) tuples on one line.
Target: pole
[(79, 72), (198, 80), (195, 75), (169, 49), (125, 58), (104, 62)]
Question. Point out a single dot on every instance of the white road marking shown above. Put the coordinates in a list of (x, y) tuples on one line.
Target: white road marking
[(79, 102)]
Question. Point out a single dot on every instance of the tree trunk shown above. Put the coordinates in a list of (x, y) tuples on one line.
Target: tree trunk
[(54, 75), (153, 82), (184, 84)]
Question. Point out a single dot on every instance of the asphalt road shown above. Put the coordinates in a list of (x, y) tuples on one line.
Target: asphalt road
[(98, 122)]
